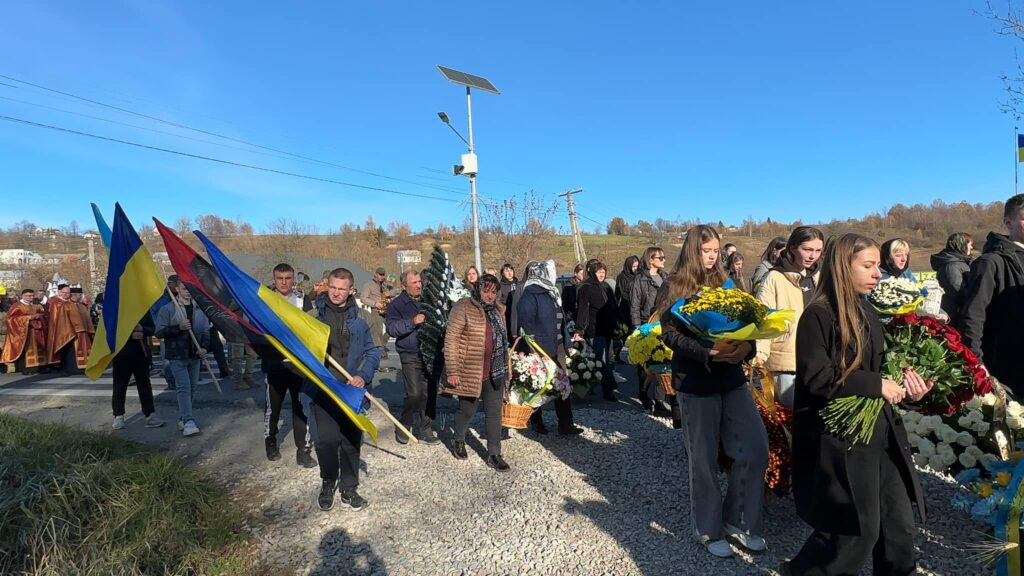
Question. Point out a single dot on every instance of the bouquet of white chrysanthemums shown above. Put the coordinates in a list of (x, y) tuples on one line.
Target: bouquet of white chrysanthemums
[(894, 296), (584, 369), (951, 444)]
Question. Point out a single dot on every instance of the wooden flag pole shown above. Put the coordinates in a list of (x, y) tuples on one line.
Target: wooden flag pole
[(374, 401), (192, 334)]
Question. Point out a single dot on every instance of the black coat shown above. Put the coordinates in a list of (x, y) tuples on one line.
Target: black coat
[(643, 298), (536, 314), (951, 270), (993, 310), (623, 288), (825, 466), (596, 311)]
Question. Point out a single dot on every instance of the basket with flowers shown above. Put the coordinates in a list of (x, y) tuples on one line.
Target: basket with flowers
[(534, 379), (646, 349)]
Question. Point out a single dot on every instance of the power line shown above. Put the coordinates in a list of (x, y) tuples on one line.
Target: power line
[(154, 130), (201, 131), (221, 161)]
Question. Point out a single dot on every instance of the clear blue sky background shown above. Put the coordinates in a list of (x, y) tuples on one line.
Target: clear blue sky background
[(787, 110)]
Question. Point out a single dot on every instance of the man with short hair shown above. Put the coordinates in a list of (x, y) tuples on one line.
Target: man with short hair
[(25, 346), (403, 320), (338, 439), (173, 323), (69, 332), (376, 294), (281, 381), (993, 310)]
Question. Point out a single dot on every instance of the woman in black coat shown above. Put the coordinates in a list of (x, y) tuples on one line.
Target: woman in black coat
[(952, 267), (857, 497), (596, 312)]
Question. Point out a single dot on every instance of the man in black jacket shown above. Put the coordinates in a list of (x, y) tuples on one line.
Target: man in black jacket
[(133, 360), (993, 310), (403, 319)]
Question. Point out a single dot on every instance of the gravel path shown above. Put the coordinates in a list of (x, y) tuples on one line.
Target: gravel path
[(611, 501)]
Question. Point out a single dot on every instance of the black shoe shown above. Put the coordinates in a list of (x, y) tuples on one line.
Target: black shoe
[(352, 501), (303, 458), (539, 427), (498, 463), (429, 438), (570, 431), (677, 423), (326, 498), (400, 437), (459, 450), (224, 374), (273, 452), (609, 398), (660, 410)]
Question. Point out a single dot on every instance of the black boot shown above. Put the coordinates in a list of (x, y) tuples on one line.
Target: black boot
[(326, 498), (304, 458), (273, 453)]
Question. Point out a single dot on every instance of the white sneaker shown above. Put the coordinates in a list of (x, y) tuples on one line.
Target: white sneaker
[(153, 422), (190, 429), (181, 425), (719, 548), (118, 423), (746, 539)]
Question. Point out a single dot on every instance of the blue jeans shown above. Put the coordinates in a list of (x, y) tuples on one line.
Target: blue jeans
[(186, 375), (603, 351)]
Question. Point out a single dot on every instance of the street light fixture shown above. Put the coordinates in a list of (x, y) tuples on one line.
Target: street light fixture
[(469, 165)]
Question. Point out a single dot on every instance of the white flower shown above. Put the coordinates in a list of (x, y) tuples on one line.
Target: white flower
[(947, 434), (989, 399), (912, 417), (944, 449), (987, 459), (981, 427), (965, 439), (914, 439), (938, 463), (965, 421), (590, 365), (925, 447), (1015, 408), (968, 461), (974, 403), (598, 364), (1014, 422), (974, 451)]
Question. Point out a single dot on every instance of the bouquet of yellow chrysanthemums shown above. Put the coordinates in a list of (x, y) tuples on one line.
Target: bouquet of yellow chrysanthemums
[(645, 346), (729, 314)]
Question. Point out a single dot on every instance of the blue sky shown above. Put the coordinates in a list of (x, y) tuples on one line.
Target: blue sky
[(719, 111)]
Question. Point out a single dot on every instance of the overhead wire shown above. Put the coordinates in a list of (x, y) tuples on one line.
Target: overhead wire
[(222, 161), (208, 132)]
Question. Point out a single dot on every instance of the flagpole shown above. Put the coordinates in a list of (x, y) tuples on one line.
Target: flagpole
[(1016, 161), (374, 401), (178, 307)]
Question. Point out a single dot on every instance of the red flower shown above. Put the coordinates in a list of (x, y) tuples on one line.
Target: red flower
[(969, 357), (956, 347)]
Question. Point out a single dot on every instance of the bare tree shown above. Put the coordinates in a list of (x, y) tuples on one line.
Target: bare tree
[(183, 225), (517, 225)]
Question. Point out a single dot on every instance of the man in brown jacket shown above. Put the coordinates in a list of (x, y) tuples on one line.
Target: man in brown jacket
[(476, 358), (375, 294)]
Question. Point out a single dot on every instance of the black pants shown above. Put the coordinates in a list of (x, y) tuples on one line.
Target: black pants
[(887, 533), (563, 410), (217, 347), (69, 358), (280, 383), (338, 442), (416, 394), (492, 416), (126, 366)]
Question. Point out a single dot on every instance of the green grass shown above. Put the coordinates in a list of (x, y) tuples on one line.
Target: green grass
[(73, 502)]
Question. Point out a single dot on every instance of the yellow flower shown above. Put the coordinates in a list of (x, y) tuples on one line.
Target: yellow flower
[(985, 490), (1003, 478)]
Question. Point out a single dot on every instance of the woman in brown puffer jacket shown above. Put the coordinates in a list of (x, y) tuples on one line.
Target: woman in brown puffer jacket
[(476, 358)]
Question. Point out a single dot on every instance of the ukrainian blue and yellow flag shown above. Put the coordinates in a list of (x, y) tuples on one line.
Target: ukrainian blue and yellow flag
[(298, 336), (1020, 147), (133, 286), (101, 226)]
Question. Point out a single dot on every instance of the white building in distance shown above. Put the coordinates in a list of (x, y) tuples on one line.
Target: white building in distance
[(19, 256)]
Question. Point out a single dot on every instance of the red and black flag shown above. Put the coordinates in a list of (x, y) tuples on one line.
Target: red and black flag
[(209, 292)]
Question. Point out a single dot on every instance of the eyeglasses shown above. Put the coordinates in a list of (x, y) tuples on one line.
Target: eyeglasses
[(657, 257)]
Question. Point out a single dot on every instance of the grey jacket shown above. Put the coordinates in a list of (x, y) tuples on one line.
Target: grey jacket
[(177, 343)]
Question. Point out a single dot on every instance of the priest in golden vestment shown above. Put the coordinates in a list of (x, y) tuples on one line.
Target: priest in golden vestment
[(25, 346), (69, 332)]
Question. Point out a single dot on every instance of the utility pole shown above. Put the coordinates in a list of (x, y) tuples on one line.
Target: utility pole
[(577, 239), (92, 267)]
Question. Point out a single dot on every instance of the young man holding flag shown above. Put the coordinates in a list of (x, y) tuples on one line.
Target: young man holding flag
[(351, 345), (173, 323)]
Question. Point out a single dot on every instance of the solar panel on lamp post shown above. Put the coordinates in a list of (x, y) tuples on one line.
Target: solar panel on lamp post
[(469, 160)]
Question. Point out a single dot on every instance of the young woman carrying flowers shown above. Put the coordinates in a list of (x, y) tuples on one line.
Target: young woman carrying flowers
[(717, 408), (856, 496)]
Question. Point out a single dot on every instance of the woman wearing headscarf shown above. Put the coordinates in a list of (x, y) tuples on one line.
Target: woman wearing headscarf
[(536, 314), (896, 259), (595, 321), (476, 359), (624, 287)]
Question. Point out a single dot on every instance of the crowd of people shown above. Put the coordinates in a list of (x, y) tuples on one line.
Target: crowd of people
[(858, 499)]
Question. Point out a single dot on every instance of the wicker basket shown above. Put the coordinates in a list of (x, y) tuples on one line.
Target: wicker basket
[(664, 379), (515, 415)]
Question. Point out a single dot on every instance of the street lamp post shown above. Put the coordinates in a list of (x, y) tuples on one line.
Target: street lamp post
[(469, 163)]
